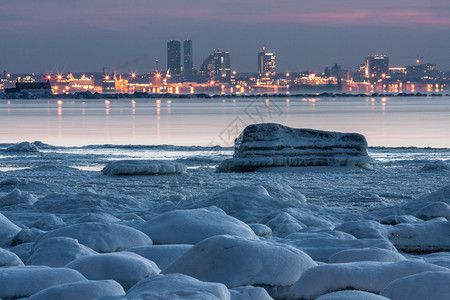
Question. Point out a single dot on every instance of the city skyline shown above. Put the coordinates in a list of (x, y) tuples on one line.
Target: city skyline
[(131, 35)]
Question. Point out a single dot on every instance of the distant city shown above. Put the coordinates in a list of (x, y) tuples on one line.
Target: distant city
[(216, 75)]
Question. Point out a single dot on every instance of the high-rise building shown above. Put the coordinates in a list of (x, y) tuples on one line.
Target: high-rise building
[(188, 65), (377, 66), (174, 58), (266, 63), (217, 66)]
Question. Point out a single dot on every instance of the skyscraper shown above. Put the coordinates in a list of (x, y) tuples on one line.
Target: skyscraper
[(174, 58), (377, 66), (217, 66), (266, 63), (187, 52)]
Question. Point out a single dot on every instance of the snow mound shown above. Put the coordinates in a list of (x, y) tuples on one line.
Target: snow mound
[(177, 286), (365, 276), (162, 255), (398, 219), (366, 254), (7, 230), (23, 251), (427, 285), (351, 295), (436, 165), (23, 147), (97, 218), (284, 224), (235, 261), (422, 237), (261, 229), (321, 249), (8, 258), (439, 258), (26, 236), (126, 268), (143, 167), (25, 281), (249, 293), (17, 197), (57, 252), (434, 210), (49, 222), (365, 229), (14, 182), (92, 289), (275, 145), (193, 225), (102, 237), (247, 203)]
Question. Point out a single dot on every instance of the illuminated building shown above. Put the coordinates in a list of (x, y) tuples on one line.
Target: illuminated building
[(376, 66), (217, 66), (421, 72), (174, 58), (266, 63), (187, 52), (30, 87)]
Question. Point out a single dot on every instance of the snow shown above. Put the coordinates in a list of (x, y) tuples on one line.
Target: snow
[(162, 255), (126, 268), (27, 235), (23, 147), (92, 289), (434, 210), (366, 254), (427, 285), (57, 252), (193, 225), (397, 219), (236, 261), (351, 295), (17, 197), (177, 286), (365, 229), (249, 293), (364, 276), (25, 281), (274, 145), (7, 230), (436, 165), (261, 229), (8, 258), (143, 167), (102, 237)]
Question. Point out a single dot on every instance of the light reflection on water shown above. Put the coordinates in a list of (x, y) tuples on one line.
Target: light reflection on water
[(390, 122)]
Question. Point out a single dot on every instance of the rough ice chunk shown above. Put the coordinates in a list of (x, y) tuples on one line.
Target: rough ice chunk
[(17, 197), (102, 237), (92, 289), (17, 282), (143, 167), (23, 147), (177, 286), (190, 226), (235, 261), (275, 145), (126, 268), (364, 276), (427, 285)]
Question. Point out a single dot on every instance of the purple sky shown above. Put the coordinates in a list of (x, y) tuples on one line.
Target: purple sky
[(87, 35)]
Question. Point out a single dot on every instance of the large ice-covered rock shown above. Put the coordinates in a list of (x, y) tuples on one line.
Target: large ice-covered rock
[(275, 145), (143, 167)]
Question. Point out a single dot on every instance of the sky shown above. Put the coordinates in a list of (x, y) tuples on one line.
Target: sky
[(48, 36)]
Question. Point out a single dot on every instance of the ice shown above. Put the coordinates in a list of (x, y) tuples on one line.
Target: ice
[(364, 276), (8, 258), (48, 222), (57, 252), (427, 285), (261, 229), (126, 268), (275, 145), (7, 230), (366, 254), (365, 229), (23, 147), (177, 286), (236, 261), (97, 218), (398, 219), (162, 255), (92, 289), (23, 251), (143, 167), (436, 165), (439, 258), (17, 197), (434, 210), (284, 224), (351, 295), (27, 235), (102, 237), (249, 293), (190, 226), (17, 282)]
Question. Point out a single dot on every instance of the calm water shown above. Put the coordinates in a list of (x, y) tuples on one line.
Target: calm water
[(390, 122)]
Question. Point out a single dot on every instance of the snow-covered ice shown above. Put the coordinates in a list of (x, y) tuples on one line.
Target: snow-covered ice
[(143, 167), (275, 145), (23, 147)]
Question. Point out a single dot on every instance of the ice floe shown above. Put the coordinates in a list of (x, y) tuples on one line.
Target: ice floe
[(143, 167), (275, 145), (190, 226)]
